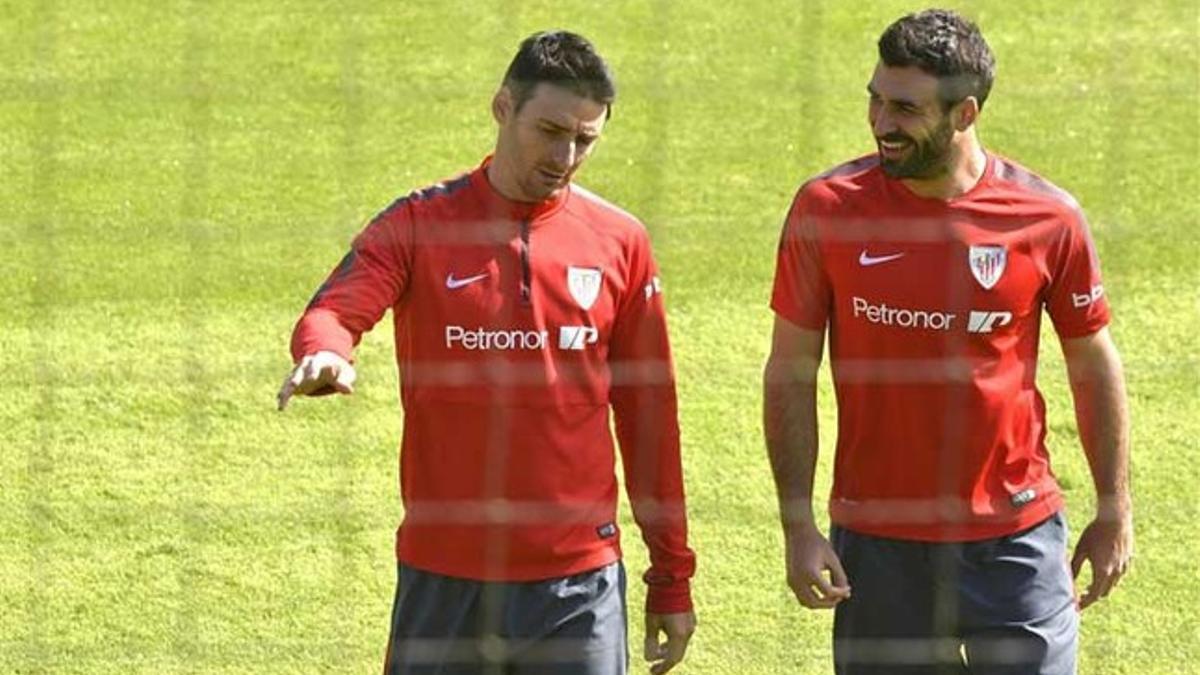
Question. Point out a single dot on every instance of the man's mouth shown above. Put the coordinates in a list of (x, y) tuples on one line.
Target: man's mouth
[(552, 176), (893, 147)]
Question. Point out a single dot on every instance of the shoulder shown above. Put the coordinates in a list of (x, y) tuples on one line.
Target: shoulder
[(434, 203), (439, 194), (840, 185), (601, 214), (1023, 189), (397, 225)]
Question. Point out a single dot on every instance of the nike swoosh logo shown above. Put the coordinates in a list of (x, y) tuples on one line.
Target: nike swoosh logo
[(866, 260), (453, 283)]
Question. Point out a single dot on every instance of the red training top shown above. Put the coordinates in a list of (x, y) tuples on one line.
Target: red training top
[(934, 310), (517, 326)]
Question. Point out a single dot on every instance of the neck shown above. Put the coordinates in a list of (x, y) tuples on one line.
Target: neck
[(501, 180), (966, 165)]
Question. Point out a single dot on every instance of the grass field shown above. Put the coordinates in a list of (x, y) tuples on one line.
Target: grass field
[(177, 177)]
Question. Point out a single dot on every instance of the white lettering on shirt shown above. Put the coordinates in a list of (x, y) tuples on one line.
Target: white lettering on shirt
[(921, 319), (478, 339)]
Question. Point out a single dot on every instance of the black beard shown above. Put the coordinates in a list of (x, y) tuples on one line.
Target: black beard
[(927, 159)]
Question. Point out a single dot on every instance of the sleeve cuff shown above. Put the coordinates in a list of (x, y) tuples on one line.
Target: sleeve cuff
[(321, 330), (673, 598)]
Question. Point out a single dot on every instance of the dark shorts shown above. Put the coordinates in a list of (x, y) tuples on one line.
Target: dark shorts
[(997, 606), (572, 625)]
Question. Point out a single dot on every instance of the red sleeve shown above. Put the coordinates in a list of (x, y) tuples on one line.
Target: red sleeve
[(802, 292), (647, 426), (1075, 297), (371, 278)]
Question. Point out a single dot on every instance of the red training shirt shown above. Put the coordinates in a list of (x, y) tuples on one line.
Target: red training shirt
[(934, 309), (517, 326)]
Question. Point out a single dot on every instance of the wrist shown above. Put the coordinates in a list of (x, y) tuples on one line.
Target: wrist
[(796, 515), (673, 598), (1114, 507), (801, 528)]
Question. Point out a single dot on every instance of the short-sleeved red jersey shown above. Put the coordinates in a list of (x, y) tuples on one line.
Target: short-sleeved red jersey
[(517, 327), (934, 309)]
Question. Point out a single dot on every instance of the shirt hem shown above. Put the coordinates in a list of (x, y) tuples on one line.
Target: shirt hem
[(510, 573), (966, 530)]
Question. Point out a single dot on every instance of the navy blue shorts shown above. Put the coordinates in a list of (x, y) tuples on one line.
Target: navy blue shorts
[(993, 607), (572, 625)]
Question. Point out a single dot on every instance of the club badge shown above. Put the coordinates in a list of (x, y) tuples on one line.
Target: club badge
[(987, 264), (584, 285)]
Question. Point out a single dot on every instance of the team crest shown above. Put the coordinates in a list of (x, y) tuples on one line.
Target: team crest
[(584, 284), (987, 264)]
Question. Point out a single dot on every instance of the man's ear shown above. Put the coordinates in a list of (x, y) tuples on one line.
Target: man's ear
[(502, 105), (966, 113)]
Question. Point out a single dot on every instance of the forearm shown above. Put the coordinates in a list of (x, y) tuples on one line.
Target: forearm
[(1098, 388), (790, 426), (355, 296), (648, 434), (1102, 414), (321, 330)]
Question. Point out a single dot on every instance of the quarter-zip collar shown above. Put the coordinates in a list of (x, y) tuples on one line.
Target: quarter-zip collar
[(499, 205)]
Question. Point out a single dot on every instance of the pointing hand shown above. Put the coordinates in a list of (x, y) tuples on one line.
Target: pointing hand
[(319, 373)]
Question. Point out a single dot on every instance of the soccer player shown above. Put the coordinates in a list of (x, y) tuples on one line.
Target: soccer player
[(929, 262), (525, 307)]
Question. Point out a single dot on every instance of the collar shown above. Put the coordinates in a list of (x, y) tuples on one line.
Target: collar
[(498, 204), (985, 179)]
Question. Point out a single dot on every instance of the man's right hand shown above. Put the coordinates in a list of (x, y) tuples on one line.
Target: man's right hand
[(809, 556), (317, 372)]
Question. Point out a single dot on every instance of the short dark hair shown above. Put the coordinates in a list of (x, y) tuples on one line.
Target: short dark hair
[(946, 45), (561, 58)]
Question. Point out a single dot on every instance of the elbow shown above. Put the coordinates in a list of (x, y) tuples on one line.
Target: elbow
[(790, 372)]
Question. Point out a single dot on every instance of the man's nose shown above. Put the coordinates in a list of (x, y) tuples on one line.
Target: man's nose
[(564, 154)]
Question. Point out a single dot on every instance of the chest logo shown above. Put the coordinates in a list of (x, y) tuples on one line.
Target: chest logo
[(453, 283), (987, 264), (584, 285), (868, 260)]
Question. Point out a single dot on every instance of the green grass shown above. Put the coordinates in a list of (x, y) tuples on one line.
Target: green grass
[(177, 177)]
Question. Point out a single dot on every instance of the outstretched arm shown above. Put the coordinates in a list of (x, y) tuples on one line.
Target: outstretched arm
[(1102, 413), (353, 298)]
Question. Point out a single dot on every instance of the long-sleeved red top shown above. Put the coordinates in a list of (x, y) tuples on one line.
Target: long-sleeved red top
[(517, 327)]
